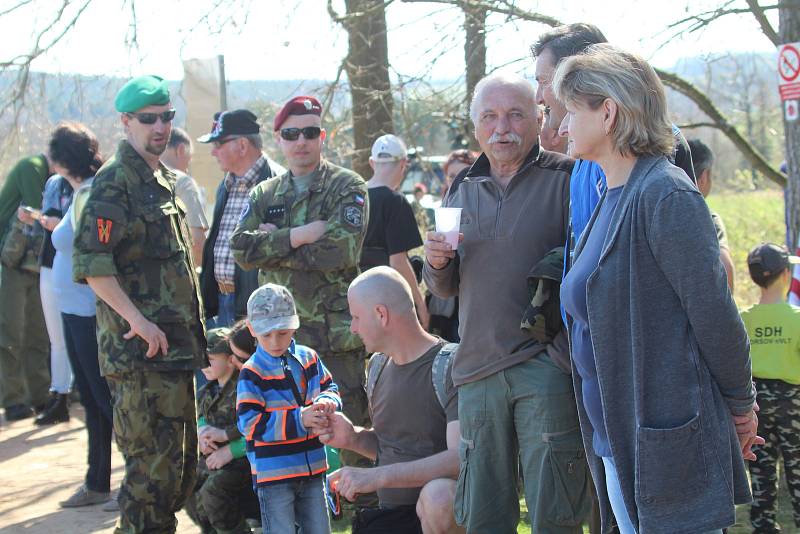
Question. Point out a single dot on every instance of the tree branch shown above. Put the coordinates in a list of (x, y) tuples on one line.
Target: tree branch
[(707, 106), (502, 7), (766, 27)]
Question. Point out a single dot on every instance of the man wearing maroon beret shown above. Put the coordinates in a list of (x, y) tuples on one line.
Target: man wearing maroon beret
[(304, 230)]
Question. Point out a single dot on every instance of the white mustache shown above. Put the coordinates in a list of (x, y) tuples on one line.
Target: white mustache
[(510, 136)]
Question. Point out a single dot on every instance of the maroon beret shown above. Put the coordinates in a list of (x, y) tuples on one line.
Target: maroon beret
[(299, 105)]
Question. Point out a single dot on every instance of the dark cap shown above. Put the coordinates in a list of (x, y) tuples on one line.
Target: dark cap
[(217, 339), (768, 258), (236, 122), (299, 105)]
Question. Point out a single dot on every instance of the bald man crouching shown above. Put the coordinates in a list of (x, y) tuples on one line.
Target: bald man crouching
[(415, 432)]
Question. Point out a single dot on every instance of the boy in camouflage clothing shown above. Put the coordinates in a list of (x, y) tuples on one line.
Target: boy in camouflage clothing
[(224, 479), (774, 329)]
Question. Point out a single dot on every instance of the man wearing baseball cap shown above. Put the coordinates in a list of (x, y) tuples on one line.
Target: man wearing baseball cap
[(392, 229), (236, 144), (131, 247), (773, 326), (304, 230)]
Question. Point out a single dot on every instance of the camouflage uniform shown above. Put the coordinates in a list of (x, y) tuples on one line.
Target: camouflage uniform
[(779, 424), (318, 274), (216, 502), (132, 227)]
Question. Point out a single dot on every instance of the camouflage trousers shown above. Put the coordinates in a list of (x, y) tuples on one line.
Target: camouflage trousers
[(779, 425), (24, 345), (217, 504), (155, 428)]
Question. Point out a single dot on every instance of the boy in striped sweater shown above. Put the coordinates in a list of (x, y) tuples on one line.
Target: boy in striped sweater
[(284, 396)]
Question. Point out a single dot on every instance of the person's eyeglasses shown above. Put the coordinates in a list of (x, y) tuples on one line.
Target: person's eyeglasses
[(151, 118), (218, 144), (309, 132)]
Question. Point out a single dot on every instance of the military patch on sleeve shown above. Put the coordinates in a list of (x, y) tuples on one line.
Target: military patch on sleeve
[(104, 230), (353, 215), (245, 213), (275, 214), (359, 199)]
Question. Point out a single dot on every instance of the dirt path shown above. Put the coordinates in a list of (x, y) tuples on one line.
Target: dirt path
[(40, 467)]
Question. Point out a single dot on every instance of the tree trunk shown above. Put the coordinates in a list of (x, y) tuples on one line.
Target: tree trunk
[(474, 56), (789, 32), (367, 68)]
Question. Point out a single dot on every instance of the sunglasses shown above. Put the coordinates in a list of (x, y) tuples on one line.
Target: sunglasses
[(218, 144), (151, 118), (309, 132)]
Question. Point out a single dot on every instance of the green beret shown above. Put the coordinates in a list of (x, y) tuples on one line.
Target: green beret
[(217, 339), (141, 92)]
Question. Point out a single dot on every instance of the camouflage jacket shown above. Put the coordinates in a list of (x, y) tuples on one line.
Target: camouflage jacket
[(317, 274), (216, 406), (133, 227)]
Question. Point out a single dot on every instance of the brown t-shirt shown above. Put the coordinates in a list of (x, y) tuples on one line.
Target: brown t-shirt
[(408, 420)]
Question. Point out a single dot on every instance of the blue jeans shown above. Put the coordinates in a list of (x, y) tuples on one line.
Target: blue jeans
[(226, 314), (294, 502), (617, 504), (81, 340)]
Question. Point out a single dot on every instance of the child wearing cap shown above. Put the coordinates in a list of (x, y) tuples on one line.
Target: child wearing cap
[(774, 329), (284, 396), (223, 472)]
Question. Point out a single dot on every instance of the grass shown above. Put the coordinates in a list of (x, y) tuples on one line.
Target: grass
[(750, 218)]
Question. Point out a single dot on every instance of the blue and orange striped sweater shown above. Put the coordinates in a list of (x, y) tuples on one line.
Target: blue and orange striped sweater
[(278, 445)]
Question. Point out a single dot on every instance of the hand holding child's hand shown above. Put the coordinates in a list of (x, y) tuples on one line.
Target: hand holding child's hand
[(314, 418), (326, 406), (219, 458)]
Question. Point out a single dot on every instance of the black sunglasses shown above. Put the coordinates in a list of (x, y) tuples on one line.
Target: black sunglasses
[(309, 132), (221, 142), (151, 118)]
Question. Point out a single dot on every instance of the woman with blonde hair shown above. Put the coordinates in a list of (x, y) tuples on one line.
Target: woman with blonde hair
[(660, 357)]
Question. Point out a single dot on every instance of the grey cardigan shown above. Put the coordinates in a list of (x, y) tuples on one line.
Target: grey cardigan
[(672, 358)]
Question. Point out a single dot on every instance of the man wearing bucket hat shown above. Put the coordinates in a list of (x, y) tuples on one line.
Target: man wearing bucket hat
[(236, 144), (304, 230), (132, 246)]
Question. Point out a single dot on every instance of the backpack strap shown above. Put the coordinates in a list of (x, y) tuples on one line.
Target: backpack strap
[(442, 363), (375, 367)]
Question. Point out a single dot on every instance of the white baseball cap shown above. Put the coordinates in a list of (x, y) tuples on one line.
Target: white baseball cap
[(388, 148)]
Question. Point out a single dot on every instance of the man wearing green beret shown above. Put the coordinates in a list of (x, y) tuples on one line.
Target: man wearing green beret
[(132, 246)]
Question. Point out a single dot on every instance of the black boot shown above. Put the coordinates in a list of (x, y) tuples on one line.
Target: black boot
[(17, 412), (56, 412)]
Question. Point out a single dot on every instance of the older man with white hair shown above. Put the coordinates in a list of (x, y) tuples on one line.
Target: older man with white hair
[(515, 396)]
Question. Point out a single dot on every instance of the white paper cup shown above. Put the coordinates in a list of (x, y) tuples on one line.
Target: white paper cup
[(448, 222)]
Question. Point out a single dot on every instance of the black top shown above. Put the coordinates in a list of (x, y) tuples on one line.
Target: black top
[(392, 227)]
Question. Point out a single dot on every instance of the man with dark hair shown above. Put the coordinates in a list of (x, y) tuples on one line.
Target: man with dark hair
[(703, 160), (552, 47), (177, 157), (236, 144)]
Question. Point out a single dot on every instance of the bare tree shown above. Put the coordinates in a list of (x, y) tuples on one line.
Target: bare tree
[(367, 68), (474, 53)]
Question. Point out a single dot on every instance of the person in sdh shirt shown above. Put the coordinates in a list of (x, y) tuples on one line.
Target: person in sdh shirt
[(774, 329)]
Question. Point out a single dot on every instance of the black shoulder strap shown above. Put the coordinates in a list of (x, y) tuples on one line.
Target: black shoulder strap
[(375, 367), (442, 363)]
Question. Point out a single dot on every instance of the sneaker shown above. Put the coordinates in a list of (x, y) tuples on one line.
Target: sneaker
[(17, 412), (57, 411), (112, 505), (83, 496)]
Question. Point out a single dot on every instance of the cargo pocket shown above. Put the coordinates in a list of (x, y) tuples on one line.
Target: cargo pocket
[(670, 458), (131, 419), (463, 499), (565, 483)]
